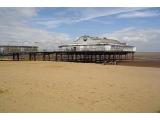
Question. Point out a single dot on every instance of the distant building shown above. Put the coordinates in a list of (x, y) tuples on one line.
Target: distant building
[(88, 43), (5, 49)]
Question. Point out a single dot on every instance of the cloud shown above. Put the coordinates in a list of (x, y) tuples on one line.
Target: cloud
[(12, 16), (139, 14), (31, 36), (74, 15), (102, 22), (144, 39), (15, 30)]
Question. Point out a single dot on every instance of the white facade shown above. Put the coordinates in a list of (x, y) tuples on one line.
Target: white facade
[(87, 43), (5, 49)]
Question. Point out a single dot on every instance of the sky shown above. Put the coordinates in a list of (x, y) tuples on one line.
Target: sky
[(50, 27)]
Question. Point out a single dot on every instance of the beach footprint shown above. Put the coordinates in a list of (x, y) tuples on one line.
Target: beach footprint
[(3, 91)]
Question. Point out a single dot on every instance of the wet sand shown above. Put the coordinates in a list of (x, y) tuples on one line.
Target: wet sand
[(144, 59), (29, 86)]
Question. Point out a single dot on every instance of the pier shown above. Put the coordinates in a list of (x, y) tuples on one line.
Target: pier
[(75, 56)]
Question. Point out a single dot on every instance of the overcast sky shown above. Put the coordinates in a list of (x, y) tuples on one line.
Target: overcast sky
[(49, 27)]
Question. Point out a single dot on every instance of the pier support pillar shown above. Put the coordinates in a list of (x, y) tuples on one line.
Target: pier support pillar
[(61, 57), (30, 56), (49, 58), (18, 56), (56, 57), (76, 57), (109, 57), (68, 57), (34, 56), (72, 57), (44, 56), (132, 56), (13, 56)]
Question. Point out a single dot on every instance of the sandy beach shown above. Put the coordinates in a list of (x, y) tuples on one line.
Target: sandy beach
[(48, 86)]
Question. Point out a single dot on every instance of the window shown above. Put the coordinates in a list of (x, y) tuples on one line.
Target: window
[(85, 38)]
